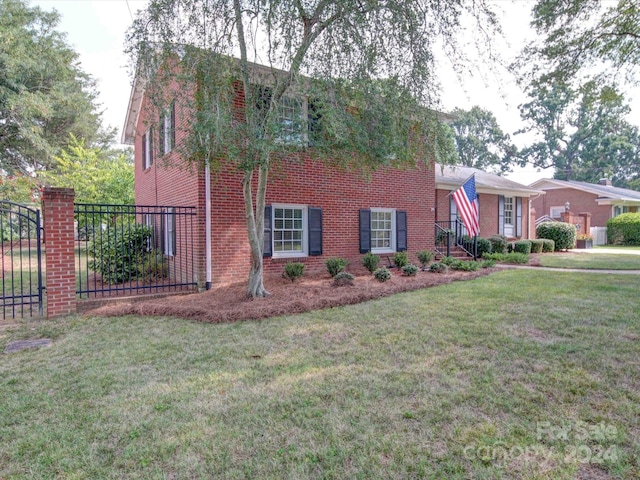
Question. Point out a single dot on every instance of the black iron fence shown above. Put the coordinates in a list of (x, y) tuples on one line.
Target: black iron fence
[(132, 249), (21, 255), (453, 234)]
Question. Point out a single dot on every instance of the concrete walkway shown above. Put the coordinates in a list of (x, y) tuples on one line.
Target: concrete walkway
[(577, 270), (605, 250)]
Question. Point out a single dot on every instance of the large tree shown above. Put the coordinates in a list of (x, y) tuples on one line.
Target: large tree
[(44, 95), (480, 142), (581, 132), (365, 66)]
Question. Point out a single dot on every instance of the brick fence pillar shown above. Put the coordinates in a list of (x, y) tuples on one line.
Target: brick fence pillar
[(57, 207)]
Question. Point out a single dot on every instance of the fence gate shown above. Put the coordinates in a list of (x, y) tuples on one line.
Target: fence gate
[(21, 256)]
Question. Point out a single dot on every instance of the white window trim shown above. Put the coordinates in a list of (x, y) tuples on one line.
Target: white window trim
[(148, 149), (512, 210), (305, 231), (304, 128), (169, 229), (392, 247), (166, 129), (560, 208)]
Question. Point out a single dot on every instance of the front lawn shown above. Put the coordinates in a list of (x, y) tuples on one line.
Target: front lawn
[(519, 375), (594, 261)]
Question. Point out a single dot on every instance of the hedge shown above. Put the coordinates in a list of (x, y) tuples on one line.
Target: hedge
[(624, 229), (563, 234), (522, 246), (498, 244), (536, 245)]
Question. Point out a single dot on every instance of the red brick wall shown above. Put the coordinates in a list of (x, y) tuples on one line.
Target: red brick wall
[(580, 202)]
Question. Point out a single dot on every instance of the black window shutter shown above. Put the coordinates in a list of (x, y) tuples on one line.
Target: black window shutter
[(150, 138), (365, 231), (161, 136), (315, 231), (518, 216), (401, 231), (268, 233), (173, 124), (501, 214)]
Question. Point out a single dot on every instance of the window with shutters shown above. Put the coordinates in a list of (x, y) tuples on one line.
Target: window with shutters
[(383, 230), (290, 230)]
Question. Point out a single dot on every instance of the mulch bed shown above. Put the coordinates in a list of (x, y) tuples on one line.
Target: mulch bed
[(228, 303)]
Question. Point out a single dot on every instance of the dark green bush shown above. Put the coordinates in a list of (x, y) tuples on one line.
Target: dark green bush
[(522, 246), (548, 245), (465, 265), (487, 263), (119, 254), (425, 256), (563, 234), (335, 265), (536, 245), (513, 257), (438, 267), (343, 278), (484, 246), (370, 261), (400, 259), (498, 243), (410, 270), (624, 229), (293, 270), (382, 274), (447, 260)]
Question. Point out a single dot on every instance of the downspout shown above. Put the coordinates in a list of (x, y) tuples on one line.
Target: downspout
[(207, 223)]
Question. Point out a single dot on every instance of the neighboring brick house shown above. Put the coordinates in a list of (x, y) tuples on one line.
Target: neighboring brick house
[(602, 200), (314, 211), (504, 204)]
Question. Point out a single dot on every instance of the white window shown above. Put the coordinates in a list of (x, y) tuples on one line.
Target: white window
[(169, 234), (383, 227), (290, 120), (620, 209), (167, 130), (556, 212), (289, 230), (147, 149), (508, 210)]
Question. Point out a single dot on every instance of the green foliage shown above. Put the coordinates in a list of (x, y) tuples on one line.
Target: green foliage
[(19, 188), (563, 234), (624, 229), (153, 267), (548, 245), (122, 253), (293, 270), (513, 257), (442, 234), (370, 261), (537, 245), (487, 263), (425, 256), (335, 265), (410, 270), (400, 259), (484, 247), (343, 278), (382, 274), (438, 267), (447, 260), (498, 243), (465, 265), (522, 246)]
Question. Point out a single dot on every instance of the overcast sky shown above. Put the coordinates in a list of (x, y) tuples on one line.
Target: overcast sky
[(96, 29)]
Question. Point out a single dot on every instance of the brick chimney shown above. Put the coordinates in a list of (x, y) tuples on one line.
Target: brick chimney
[(605, 181)]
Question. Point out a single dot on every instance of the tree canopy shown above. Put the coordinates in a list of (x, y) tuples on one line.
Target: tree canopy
[(365, 68), (44, 95)]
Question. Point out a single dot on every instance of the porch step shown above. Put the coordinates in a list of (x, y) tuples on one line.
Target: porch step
[(457, 253)]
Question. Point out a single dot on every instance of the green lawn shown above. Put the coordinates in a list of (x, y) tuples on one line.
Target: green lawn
[(519, 375), (599, 261), (619, 247)]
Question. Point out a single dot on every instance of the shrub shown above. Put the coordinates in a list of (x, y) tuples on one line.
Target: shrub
[(484, 246), (400, 259), (442, 234), (120, 252), (293, 270), (438, 267), (498, 244), (487, 263), (563, 234), (410, 270), (447, 260), (343, 278), (465, 265), (513, 257), (548, 245), (624, 229), (153, 267), (536, 245), (425, 256), (522, 246), (370, 261), (382, 274), (335, 265)]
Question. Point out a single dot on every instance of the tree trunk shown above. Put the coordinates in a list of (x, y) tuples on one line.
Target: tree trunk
[(255, 229)]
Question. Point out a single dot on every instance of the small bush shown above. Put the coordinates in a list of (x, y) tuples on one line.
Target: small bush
[(465, 265), (536, 245), (335, 265), (447, 260), (438, 267), (425, 256), (624, 229), (382, 274), (498, 244), (522, 246), (153, 267), (370, 261), (487, 263), (293, 270), (400, 259), (410, 270), (548, 245), (343, 278), (484, 246), (563, 234), (442, 234), (513, 257)]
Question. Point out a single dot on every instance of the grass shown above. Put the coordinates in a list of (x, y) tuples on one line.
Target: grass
[(619, 247), (600, 261), (469, 380)]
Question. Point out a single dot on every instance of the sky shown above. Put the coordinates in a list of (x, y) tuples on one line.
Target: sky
[(96, 30)]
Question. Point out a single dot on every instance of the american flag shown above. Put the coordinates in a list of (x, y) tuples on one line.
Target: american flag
[(467, 204)]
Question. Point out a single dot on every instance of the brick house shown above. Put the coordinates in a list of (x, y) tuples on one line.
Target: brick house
[(504, 204), (314, 211), (603, 200)]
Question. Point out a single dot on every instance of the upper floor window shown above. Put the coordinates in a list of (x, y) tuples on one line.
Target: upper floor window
[(291, 124), (167, 129), (147, 149)]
